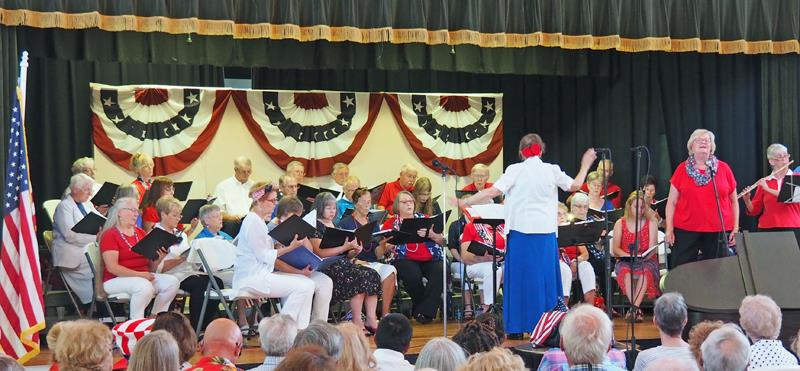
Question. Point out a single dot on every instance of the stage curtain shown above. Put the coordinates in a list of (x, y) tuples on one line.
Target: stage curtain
[(9, 63), (711, 26), (780, 92)]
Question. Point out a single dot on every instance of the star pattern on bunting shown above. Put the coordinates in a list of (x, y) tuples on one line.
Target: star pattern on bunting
[(348, 101), (192, 97)]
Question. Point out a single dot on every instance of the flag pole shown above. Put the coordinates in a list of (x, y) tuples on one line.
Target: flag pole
[(22, 82)]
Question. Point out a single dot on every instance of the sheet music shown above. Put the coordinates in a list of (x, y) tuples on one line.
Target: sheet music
[(487, 211)]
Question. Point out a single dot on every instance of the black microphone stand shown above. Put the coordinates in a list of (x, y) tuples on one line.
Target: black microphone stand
[(606, 244), (444, 169), (633, 252), (722, 247)]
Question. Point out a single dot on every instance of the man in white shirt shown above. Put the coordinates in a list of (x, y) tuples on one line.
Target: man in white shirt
[(392, 340), (339, 176), (233, 195), (669, 315)]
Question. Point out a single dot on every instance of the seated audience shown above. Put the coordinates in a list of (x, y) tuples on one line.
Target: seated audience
[(307, 358), (440, 354), (416, 261), (669, 315), (480, 267), (606, 168), (221, 346), (323, 334), (574, 261), (586, 334), (476, 337), (497, 359), (725, 349), (69, 246), (142, 165), (423, 198), (372, 254), (642, 277), (494, 322), (554, 359), (52, 341), (9, 364), (211, 218), (392, 341), (323, 285), (83, 345), (356, 354), (161, 187), (256, 257), (84, 165), (408, 175), (232, 194), (276, 335), (672, 364), (125, 271), (359, 284), (480, 178), (157, 350), (178, 326), (761, 318), (697, 335), (347, 200), (339, 175)]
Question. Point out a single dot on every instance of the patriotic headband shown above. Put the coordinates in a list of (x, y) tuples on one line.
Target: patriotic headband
[(261, 192), (532, 150)]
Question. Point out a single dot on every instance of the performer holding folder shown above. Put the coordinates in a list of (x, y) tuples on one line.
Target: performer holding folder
[(772, 214), (531, 190)]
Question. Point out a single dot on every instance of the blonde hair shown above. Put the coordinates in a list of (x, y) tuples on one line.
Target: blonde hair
[(293, 164), (479, 167), (760, 317), (339, 166), (697, 134), (140, 159), (167, 204), (83, 345), (630, 200), (81, 164), (594, 175), (157, 350), (497, 359), (423, 185), (356, 354), (407, 168)]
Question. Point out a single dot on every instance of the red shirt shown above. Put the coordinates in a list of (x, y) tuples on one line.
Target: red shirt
[(390, 191), (774, 214), (150, 215), (616, 201), (696, 210), (114, 240), (141, 187), (471, 187), (471, 234), (571, 252), (213, 363), (413, 251)]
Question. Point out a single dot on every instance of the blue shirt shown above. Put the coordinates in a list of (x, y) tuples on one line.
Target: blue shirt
[(205, 233), (341, 205)]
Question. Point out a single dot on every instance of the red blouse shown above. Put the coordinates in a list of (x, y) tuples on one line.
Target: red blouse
[(418, 252), (472, 233), (696, 210), (390, 191), (114, 240), (629, 237), (471, 187), (774, 214), (141, 187), (571, 252), (150, 215), (616, 201)]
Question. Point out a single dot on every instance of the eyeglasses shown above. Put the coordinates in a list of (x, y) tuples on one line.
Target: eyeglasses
[(131, 209), (273, 200), (406, 202)]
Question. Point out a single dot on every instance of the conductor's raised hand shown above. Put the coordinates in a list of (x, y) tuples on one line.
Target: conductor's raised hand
[(588, 158)]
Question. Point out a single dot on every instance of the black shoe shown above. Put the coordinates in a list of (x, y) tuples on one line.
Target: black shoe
[(423, 319), (515, 336)]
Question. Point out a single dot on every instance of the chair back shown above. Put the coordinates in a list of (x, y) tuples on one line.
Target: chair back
[(49, 207), (92, 252), (217, 253), (48, 240)]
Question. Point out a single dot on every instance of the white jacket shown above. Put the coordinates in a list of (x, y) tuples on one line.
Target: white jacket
[(68, 246)]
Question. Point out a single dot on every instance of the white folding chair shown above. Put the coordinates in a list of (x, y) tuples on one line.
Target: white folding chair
[(49, 207), (96, 265), (216, 256), (48, 242)]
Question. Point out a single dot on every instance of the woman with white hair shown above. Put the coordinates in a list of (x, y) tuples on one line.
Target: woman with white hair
[(84, 165), (441, 354), (586, 338), (276, 335), (773, 215), (68, 246), (760, 318), (693, 223), (480, 178)]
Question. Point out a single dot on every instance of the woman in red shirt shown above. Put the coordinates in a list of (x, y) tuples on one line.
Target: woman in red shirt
[(143, 166), (417, 260), (774, 215), (161, 186), (693, 224), (125, 271), (480, 266)]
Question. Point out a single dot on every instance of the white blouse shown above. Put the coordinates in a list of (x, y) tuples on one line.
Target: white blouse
[(255, 256)]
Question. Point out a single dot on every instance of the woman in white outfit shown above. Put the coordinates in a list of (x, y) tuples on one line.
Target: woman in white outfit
[(68, 246), (126, 271), (255, 260)]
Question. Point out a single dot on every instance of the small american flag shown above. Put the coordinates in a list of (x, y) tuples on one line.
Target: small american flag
[(547, 323), (21, 303)]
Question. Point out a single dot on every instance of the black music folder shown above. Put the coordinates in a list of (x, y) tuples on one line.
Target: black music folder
[(309, 192), (660, 207), (411, 225), (612, 195), (377, 216), (191, 209), (182, 190), (302, 257), (481, 249), (580, 233), (790, 192), (376, 192), (295, 225), (155, 240), (90, 224), (335, 237), (105, 195), (613, 215), (347, 212)]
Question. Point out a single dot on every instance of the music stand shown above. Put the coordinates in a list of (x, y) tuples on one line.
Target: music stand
[(494, 223), (790, 192)]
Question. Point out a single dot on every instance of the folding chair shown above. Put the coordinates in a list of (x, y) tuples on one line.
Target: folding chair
[(215, 256), (95, 264), (48, 241), (49, 207)]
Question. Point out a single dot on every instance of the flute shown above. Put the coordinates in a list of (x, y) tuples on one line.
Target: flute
[(751, 187)]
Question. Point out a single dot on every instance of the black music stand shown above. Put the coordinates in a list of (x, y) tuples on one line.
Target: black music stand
[(494, 223), (789, 193)]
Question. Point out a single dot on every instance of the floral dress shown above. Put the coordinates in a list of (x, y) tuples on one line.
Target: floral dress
[(647, 267), (350, 279)]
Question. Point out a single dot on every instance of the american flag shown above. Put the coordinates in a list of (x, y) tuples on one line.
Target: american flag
[(547, 323), (21, 303)]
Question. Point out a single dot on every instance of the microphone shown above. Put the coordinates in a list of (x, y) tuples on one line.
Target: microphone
[(607, 150), (444, 168), (710, 168), (638, 148)]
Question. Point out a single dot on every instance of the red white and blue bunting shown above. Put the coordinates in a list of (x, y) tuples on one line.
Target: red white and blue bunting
[(460, 131)]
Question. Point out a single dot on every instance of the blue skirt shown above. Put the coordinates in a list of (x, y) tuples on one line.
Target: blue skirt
[(532, 279)]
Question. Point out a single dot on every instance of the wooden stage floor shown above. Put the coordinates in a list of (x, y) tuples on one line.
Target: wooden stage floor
[(422, 333)]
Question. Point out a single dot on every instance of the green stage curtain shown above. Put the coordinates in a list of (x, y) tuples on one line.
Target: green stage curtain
[(9, 62)]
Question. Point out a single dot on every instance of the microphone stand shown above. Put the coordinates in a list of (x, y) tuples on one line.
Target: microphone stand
[(633, 251), (722, 247), (606, 244), (444, 170)]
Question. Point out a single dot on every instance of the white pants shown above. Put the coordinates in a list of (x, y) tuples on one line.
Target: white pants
[(585, 274), (484, 272), (296, 292), (80, 280), (163, 287), (323, 291), (384, 270)]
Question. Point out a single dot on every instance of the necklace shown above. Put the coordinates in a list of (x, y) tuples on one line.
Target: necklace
[(125, 239)]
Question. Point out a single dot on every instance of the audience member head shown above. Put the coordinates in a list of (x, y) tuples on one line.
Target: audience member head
[(211, 217), (263, 197), (297, 170), (83, 345), (494, 322), (408, 176), (362, 200), (307, 358), (169, 212), (142, 165), (288, 185), (52, 338), (585, 335), (323, 334), (479, 175), (705, 136), (340, 173), (497, 359), (422, 196), (222, 338), (288, 206), (157, 350), (441, 354), (669, 314), (760, 317), (579, 206), (404, 204), (160, 187), (242, 168), (125, 190), (476, 337), (394, 333), (356, 355), (80, 187), (605, 168), (649, 185), (698, 334), (350, 185), (277, 334), (85, 165), (9, 364), (325, 205), (180, 328), (123, 214), (725, 349), (527, 143), (671, 364)]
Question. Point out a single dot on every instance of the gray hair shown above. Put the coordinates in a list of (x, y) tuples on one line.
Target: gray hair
[(670, 313), (441, 354), (157, 350), (760, 317), (774, 149), (277, 333), (242, 161), (113, 213), (81, 164), (206, 210), (321, 334), (579, 197), (79, 181), (699, 133), (126, 190), (9, 364), (586, 334), (407, 168), (293, 164), (323, 199), (725, 349), (339, 166)]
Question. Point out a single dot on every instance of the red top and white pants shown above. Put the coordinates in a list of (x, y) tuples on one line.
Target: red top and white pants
[(483, 270), (774, 214), (569, 255)]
